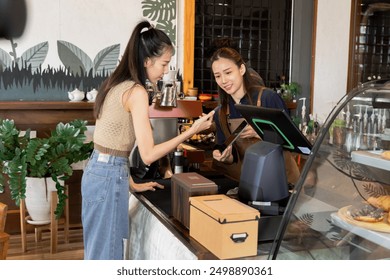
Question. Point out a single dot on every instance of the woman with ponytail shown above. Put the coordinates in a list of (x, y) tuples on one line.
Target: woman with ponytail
[(122, 118)]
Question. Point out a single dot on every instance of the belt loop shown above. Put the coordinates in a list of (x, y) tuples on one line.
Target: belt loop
[(92, 154)]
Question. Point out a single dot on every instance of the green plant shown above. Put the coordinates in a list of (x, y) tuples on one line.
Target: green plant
[(22, 156), (290, 90)]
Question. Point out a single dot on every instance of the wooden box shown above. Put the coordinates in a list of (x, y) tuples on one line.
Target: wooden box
[(225, 226), (185, 185)]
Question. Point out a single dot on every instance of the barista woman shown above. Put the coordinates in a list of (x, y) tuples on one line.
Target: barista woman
[(227, 42), (237, 86)]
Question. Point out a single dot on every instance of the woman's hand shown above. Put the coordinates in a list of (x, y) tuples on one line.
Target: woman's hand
[(143, 187), (249, 132), (226, 156), (204, 122)]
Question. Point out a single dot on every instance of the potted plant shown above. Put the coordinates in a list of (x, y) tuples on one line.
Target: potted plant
[(22, 156), (290, 91)]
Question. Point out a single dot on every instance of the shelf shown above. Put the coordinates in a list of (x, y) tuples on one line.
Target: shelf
[(371, 158), (45, 105)]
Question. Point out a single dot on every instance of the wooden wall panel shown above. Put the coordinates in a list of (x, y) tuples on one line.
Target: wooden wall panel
[(189, 40)]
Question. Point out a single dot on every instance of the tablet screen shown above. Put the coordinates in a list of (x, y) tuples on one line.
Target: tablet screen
[(236, 133)]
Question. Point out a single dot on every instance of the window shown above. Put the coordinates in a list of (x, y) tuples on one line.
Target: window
[(370, 41), (261, 30)]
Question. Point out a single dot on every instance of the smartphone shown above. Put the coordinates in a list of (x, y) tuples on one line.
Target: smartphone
[(234, 136)]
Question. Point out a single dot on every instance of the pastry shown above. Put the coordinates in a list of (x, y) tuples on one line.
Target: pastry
[(386, 155), (382, 202), (368, 214), (369, 219)]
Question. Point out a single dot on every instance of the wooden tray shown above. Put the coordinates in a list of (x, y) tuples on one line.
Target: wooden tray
[(383, 226)]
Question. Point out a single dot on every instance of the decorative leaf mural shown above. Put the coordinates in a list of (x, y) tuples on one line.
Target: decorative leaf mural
[(164, 13), (75, 60), (5, 60), (31, 59), (34, 56), (22, 77), (106, 60)]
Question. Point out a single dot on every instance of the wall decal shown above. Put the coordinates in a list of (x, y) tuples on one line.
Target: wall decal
[(21, 78), (78, 62), (61, 61), (164, 13)]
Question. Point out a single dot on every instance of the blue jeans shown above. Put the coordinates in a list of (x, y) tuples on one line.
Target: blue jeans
[(105, 206)]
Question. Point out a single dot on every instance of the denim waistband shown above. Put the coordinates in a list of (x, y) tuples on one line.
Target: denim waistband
[(110, 151), (107, 158)]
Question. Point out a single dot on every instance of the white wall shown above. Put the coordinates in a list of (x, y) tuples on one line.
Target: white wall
[(95, 24), (180, 6), (91, 25), (331, 55)]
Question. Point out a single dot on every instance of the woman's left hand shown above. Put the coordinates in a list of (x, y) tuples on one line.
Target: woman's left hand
[(143, 187), (226, 156)]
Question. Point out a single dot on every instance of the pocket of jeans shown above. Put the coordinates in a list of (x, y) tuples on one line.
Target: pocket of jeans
[(95, 186)]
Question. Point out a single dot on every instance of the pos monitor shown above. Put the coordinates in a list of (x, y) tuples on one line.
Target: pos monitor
[(263, 178), (275, 126)]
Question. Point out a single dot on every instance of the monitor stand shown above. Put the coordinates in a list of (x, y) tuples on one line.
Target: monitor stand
[(263, 186), (270, 218), (275, 127), (263, 176), (274, 208)]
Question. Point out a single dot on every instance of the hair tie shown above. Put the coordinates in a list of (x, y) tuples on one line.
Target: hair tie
[(146, 28)]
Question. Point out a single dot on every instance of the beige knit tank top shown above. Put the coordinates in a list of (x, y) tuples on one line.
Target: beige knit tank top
[(114, 130)]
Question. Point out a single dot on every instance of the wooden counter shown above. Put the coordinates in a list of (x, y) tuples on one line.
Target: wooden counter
[(44, 116), (155, 215), (155, 234)]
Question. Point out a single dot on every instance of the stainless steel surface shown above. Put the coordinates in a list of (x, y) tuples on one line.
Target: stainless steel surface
[(168, 95), (164, 129)]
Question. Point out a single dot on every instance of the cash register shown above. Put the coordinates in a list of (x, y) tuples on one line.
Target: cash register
[(263, 181)]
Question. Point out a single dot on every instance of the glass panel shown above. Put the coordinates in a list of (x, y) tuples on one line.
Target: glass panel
[(335, 210)]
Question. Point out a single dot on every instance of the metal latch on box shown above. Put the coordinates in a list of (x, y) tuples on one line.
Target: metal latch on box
[(239, 237)]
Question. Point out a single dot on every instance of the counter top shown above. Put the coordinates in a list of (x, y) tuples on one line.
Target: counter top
[(159, 204), (45, 105)]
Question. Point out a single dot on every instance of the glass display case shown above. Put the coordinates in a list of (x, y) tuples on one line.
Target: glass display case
[(339, 209)]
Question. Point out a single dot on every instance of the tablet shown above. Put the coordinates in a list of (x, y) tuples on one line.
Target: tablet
[(234, 136)]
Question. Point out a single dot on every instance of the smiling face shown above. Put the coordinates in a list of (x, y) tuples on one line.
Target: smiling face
[(229, 77), (156, 67)]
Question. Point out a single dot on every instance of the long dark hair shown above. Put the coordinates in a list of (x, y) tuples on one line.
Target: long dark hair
[(145, 42), (250, 84)]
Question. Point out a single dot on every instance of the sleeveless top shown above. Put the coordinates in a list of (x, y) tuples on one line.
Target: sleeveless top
[(114, 131)]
